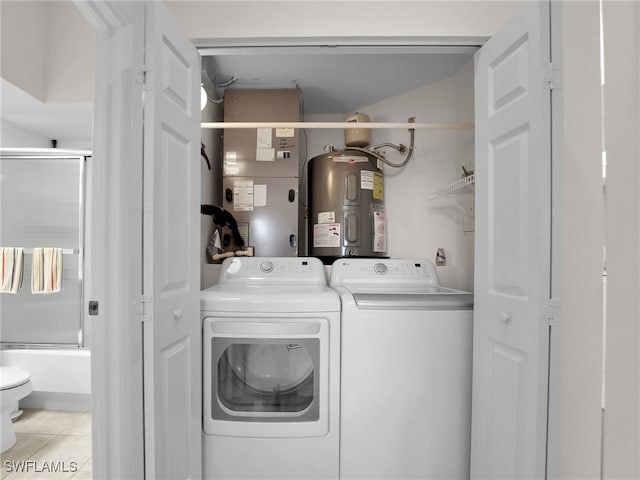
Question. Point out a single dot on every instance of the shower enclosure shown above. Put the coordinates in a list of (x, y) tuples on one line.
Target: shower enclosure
[(42, 204)]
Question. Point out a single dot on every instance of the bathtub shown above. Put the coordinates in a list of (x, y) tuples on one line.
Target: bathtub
[(61, 378)]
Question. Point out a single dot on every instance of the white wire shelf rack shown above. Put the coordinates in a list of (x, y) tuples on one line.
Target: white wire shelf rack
[(454, 187)]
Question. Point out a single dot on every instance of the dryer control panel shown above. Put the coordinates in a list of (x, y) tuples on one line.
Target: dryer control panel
[(256, 270)]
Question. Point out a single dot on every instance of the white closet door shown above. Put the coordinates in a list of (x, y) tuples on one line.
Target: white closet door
[(513, 252), (172, 393)]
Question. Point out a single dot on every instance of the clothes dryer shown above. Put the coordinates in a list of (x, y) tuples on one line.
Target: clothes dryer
[(406, 371), (271, 371)]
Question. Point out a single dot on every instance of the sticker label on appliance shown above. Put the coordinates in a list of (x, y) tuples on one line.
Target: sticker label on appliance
[(326, 235), (259, 195), (378, 192), (230, 158), (243, 195), (265, 154), (283, 154), (285, 132), (366, 180), (263, 137), (326, 217), (379, 232), (230, 163)]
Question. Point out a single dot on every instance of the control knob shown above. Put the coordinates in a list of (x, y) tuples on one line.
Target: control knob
[(380, 268), (266, 267)]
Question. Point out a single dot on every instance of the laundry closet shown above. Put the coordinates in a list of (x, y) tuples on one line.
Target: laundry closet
[(286, 382), (427, 204)]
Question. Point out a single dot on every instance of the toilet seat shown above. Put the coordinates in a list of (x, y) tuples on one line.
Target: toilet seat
[(11, 377)]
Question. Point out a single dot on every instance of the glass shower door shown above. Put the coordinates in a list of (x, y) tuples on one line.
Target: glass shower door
[(42, 205)]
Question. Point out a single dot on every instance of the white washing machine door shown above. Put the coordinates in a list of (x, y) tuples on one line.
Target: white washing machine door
[(266, 377)]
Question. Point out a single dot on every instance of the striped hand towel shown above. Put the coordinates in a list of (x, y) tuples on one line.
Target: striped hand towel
[(11, 263), (46, 270)]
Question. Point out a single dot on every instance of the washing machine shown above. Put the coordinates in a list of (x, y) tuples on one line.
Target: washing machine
[(405, 371), (271, 371)]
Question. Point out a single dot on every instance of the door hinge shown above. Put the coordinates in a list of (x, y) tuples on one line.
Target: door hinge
[(143, 308), (551, 312), (551, 75), (144, 77)]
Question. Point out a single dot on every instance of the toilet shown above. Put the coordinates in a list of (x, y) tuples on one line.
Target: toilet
[(15, 384)]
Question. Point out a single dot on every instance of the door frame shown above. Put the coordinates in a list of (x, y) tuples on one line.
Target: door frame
[(117, 379), (114, 231)]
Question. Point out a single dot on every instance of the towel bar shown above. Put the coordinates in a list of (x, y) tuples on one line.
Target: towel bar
[(65, 251)]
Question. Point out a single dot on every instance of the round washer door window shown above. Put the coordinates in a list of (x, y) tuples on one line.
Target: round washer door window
[(266, 377)]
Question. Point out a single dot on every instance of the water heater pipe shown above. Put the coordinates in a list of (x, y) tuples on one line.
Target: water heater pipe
[(400, 148)]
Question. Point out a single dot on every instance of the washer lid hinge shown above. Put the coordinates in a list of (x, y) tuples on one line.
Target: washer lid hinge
[(551, 312)]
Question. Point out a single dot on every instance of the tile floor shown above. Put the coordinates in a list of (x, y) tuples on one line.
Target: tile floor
[(52, 444)]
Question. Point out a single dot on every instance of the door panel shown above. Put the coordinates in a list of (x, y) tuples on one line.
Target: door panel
[(171, 282), (176, 372), (508, 214), (512, 273)]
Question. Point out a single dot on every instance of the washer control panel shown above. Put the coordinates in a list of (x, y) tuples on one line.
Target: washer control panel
[(351, 270), (380, 268)]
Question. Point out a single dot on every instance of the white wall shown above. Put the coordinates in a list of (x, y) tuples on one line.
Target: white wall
[(47, 50), (69, 54), (24, 37), (331, 18), (15, 136), (621, 26), (588, 447)]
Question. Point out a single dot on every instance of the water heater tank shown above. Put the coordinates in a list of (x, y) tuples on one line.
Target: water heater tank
[(346, 206)]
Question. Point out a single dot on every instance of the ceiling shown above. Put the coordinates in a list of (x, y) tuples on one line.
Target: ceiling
[(59, 121), (338, 80)]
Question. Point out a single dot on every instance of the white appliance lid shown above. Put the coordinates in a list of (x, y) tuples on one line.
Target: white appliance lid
[(270, 284), (396, 284), (442, 300)]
